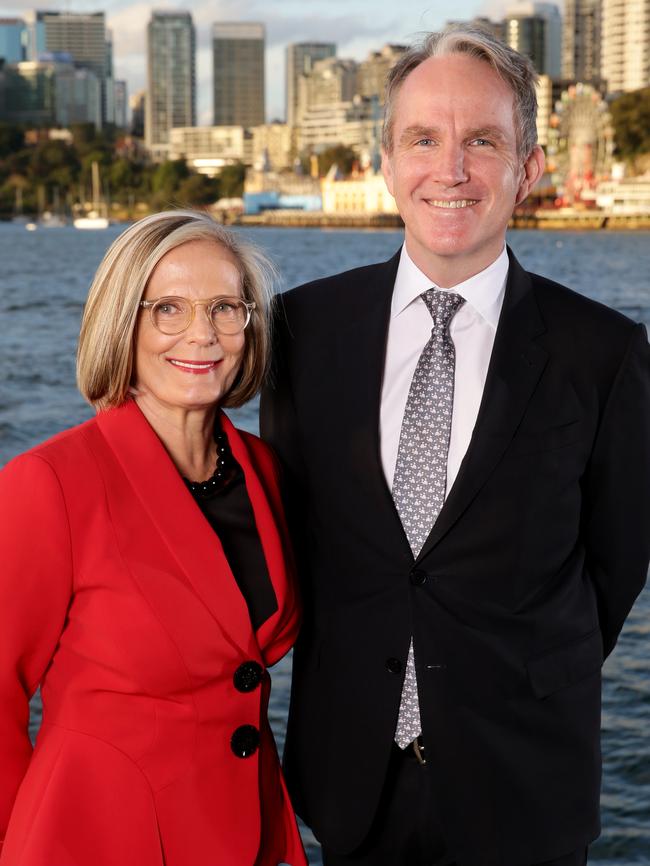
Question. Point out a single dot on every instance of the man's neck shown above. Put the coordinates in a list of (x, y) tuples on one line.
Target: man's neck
[(446, 272)]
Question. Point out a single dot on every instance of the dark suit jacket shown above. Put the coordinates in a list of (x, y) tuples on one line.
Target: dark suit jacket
[(520, 590)]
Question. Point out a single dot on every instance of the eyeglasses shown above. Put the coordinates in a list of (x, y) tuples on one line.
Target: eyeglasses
[(172, 315)]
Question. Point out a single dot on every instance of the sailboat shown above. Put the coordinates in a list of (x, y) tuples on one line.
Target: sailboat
[(94, 219)]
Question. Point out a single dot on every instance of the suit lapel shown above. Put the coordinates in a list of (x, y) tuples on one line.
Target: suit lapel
[(362, 353), (181, 526), (515, 367)]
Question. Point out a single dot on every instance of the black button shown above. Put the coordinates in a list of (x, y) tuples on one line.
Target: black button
[(245, 741), (418, 577), (394, 666), (248, 676)]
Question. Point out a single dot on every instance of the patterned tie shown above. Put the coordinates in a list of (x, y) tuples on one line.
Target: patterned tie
[(420, 480)]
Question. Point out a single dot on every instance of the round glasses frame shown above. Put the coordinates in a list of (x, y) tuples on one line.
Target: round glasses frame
[(209, 305)]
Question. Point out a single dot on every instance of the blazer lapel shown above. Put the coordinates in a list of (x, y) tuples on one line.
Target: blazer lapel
[(515, 368), (183, 529)]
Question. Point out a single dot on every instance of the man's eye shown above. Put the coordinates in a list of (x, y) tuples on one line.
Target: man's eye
[(424, 141), (482, 142)]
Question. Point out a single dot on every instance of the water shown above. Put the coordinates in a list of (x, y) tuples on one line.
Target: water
[(44, 277)]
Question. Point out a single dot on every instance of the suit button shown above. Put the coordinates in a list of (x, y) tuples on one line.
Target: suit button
[(248, 676), (245, 741), (418, 577), (394, 666)]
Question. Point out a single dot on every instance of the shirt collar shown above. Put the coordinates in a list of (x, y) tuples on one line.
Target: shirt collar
[(484, 291)]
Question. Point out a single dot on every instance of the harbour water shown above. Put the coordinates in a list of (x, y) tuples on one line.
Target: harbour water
[(44, 277)]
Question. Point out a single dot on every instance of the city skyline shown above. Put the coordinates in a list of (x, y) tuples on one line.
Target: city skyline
[(368, 23)]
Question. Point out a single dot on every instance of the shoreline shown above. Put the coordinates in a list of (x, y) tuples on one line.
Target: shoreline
[(542, 220)]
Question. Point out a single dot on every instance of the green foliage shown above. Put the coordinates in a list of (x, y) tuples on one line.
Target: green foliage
[(198, 190), (55, 168), (12, 139), (631, 120), (340, 155), (231, 181)]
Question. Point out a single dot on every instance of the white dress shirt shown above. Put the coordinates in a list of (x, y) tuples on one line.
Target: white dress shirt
[(472, 330)]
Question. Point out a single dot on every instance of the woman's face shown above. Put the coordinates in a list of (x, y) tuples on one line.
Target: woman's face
[(192, 370)]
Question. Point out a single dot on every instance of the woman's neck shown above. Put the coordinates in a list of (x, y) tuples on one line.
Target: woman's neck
[(187, 434)]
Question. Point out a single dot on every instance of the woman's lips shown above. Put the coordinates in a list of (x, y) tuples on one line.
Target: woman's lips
[(195, 367)]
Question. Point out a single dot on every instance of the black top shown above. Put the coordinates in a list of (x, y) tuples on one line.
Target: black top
[(224, 501)]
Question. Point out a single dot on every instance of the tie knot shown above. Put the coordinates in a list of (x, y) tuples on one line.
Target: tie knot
[(442, 306)]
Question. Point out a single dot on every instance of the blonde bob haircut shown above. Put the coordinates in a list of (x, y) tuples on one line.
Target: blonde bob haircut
[(107, 338)]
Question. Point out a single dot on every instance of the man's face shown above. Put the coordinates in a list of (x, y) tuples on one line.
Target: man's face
[(454, 169)]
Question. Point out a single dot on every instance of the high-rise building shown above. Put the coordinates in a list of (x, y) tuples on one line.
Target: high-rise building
[(171, 78), (12, 40), (581, 40), (373, 71), (238, 73), (301, 57), (137, 106), (52, 91), (625, 45), (535, 29), (120, 91), (495, 28), (80, 34), (330, 82)]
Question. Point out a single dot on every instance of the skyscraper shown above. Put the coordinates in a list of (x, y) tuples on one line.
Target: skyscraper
[(535, 29), (581, 40), (171, 78), (238, 73), (625, 45), (82, 35), (301, 57), (12, 40)]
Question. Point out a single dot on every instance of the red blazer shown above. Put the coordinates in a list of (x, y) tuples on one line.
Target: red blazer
[(116, 597)]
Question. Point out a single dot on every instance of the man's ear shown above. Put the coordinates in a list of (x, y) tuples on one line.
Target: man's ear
[(387, 171), (533, 170)]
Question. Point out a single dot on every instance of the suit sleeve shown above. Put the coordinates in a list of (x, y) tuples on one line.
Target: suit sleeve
[(279, 427), (617, 492), (35, 587)]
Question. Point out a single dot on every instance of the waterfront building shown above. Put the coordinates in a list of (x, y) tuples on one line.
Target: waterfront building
[(82, 35), (13, 40), (330, 82), (301, 57), (627, 196), (625, 45), (365, 194), (238, 73), (581, 35), (171, 78), (354, 124), (207, 149), (535, 29), (274, 146), (373, 71), (269, 190)]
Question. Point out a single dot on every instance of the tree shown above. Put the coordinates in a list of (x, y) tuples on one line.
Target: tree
[(12, 139), (198, 190), (631, 120), (231, 181), (340, 155)]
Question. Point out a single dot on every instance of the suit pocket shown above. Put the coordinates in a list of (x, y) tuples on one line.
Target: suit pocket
[(566, 665), (535, 442)]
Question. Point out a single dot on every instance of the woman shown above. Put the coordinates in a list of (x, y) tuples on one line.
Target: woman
[(144, 580)]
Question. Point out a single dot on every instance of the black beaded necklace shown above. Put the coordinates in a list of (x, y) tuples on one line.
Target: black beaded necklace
[(224, 472)]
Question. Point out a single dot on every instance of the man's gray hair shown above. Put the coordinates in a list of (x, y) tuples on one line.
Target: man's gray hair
[(514, 69)]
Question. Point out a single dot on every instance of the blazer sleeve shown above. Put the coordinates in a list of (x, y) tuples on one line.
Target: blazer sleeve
[(617, 492), (35, 588)]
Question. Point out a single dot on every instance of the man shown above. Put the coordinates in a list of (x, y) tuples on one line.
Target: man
[(467, 473)]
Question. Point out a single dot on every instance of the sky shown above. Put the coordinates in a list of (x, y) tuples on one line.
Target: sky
[(357, 27)]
